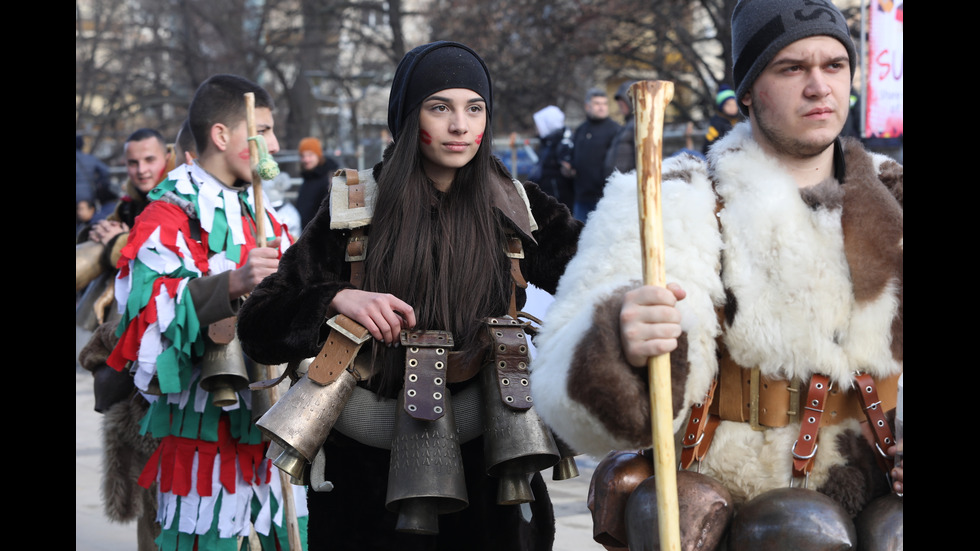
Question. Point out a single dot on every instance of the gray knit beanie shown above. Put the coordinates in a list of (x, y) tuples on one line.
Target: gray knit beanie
[(761, 28)]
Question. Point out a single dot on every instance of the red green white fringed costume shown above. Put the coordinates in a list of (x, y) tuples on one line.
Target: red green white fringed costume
[(213, 479)]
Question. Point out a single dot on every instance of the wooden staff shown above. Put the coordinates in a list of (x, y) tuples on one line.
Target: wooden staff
[(288, 505), (650, 99)]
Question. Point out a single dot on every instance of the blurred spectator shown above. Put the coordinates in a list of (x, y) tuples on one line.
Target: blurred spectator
[(317, 171), (585, 162), (725, 117), (147, 161), (92, 180), (552, 132), (84, 211), (622, 151)]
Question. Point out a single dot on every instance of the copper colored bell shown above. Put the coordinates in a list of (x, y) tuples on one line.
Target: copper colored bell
[(516, 443), (614, 479), (705, 509), (425, 473)]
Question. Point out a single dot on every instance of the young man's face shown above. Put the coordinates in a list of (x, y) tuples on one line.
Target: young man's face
[(598, 107), (236, 149), (451, 127), (145, 162), (799, 102)]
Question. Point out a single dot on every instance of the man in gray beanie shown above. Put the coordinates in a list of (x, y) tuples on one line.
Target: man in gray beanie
[(783, 318)]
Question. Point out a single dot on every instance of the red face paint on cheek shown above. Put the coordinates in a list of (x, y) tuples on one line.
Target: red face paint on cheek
[(479, 139), (243, 154), (425, 137)]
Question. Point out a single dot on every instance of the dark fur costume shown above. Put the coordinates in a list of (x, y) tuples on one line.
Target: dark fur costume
[(283, 320)]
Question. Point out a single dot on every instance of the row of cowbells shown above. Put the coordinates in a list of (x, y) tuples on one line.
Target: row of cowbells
[(426, 477)]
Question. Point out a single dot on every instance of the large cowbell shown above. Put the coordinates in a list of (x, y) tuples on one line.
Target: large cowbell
[(223, 369), (425, 472), (516, 442), (302, 419)]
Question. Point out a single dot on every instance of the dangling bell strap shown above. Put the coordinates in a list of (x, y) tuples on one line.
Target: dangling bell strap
[(805, 448), (344, 341), (875, 411), (426, 364), (511, 356), (700, 428)]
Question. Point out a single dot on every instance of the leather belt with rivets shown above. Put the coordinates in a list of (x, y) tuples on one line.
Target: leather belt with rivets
[(511, 356), (426, 364), (339, 350), (805, 448)]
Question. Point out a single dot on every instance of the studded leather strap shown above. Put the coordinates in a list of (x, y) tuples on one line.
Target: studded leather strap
[(426, 365), (341, 347), (875, 413), (511, 356), (699, 430), (805, 448)]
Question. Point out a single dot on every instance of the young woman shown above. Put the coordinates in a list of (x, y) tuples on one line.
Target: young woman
[(441, 248)]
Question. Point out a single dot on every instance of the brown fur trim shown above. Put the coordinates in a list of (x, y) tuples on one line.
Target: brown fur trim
[(873, 228), (125, 453), (892, 175), (827, 195), (860, 481), (872, 221), (602, 380)]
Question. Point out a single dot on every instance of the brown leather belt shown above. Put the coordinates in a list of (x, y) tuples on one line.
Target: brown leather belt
[(746, 396), (339, 350), (511, 357), (743, 395)]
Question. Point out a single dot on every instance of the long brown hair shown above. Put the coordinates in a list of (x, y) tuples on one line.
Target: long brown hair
[(441, 253)]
